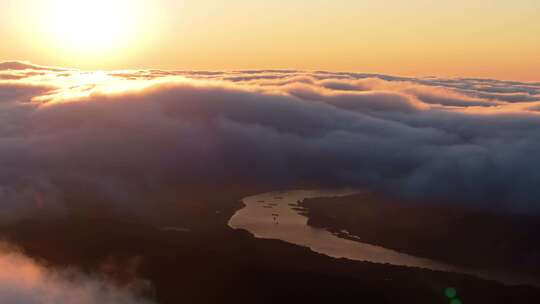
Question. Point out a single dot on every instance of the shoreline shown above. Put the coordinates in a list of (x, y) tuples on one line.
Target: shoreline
[(367, 220)]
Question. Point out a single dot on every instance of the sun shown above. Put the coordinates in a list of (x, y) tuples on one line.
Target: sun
[(86, 34), (92, 26)]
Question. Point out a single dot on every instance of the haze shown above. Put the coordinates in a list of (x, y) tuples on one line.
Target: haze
[(481, 38), (256, 151)]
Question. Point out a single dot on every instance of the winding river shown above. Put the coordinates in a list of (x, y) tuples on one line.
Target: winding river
[(277, 215)]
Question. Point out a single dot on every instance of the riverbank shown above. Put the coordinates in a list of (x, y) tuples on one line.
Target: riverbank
[(468, 238), (212, 263)]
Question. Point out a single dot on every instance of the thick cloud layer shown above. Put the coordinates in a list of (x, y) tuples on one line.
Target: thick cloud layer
[(123, 134), (23, 280)]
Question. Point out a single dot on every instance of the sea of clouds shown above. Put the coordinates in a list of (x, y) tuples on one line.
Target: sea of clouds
[(72, 138), (465, 141)]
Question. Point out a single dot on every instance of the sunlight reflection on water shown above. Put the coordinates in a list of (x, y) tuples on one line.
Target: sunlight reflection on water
[(276, 215)]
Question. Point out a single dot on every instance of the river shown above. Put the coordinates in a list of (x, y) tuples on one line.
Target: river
[(277, 215)]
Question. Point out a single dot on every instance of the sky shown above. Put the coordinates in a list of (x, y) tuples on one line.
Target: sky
[(477, 38), (154, 129)]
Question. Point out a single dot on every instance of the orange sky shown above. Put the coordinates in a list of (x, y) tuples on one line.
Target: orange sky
[(484, 38)]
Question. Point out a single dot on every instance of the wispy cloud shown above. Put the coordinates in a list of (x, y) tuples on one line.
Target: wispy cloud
[(24, 280)]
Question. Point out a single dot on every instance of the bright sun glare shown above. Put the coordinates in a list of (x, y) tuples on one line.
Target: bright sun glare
[(84, 26)]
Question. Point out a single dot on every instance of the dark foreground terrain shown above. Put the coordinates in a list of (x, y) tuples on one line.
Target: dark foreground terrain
[(204, 261), (470, 238)]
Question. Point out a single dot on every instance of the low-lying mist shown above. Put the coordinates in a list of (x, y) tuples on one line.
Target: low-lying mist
[(125, 136)]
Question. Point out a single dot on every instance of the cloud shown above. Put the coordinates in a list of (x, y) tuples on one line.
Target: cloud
[(12, 92), (121, 138), (23, 280), (23, 65), (358, 101)]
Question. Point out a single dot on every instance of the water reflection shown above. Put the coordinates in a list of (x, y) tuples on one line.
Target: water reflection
[(277, 215)]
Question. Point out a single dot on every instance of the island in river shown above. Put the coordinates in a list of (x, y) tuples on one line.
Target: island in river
[(455, 235), (206, 261)]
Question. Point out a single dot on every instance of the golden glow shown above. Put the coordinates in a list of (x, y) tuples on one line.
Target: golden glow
[(484, 38), (79, 33), (90, 26)]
